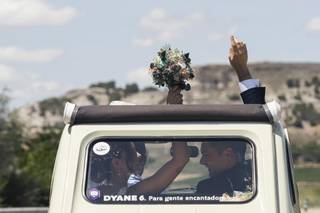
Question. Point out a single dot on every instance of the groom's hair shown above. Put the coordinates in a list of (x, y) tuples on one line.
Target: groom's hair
[(239, 147)]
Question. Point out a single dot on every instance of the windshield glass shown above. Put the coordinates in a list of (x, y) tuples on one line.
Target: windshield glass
[(170, 171)]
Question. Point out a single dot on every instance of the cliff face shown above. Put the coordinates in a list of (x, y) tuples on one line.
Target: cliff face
[(295, 86)]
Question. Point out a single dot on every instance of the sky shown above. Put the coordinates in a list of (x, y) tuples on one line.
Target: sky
[(48, 47)]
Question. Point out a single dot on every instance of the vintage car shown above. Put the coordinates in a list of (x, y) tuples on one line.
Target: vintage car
[(93, 136)]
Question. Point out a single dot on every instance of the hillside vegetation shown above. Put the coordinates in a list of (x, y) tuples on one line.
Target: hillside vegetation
[(295, 86)]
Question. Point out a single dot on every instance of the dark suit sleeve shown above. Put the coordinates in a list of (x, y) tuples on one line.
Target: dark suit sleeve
[(254, 96)]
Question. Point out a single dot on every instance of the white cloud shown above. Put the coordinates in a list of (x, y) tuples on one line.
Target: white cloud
[(167, 35), (16, 54), (48, 86), (143, 42), (158, 20), (198, 17), (141, 76), (157, 13), (22, 92), (26, 87), (7, 73), (163, 27), (314, 24), (218, 36), (214, 36), (33, 13)]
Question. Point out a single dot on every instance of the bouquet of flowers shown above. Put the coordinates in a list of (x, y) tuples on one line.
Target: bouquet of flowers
[(171, 68)]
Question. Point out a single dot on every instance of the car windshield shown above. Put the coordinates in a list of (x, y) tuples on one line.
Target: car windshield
[(139, 170)]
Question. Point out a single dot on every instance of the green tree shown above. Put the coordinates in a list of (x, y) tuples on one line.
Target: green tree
[(6, 150), (26, 163), (10, 140), (34, 166)]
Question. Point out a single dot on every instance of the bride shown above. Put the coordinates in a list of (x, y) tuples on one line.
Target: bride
[(124, 161)]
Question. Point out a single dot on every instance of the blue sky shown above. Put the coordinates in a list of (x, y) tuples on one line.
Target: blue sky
[(48, 47)]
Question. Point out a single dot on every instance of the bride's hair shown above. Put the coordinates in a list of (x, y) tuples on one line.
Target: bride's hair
[(101, 166)]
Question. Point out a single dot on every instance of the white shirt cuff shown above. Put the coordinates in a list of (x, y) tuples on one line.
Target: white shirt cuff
[(248, 84)]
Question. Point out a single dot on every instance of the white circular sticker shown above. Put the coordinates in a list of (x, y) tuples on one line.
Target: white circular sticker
[(101, 148)]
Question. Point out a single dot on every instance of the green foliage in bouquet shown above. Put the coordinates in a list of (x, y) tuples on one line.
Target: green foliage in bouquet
[(171, 67)]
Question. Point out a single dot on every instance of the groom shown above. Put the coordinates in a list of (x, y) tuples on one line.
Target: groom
[(224, 159)]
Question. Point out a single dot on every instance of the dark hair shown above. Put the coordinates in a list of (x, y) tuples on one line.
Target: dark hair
[(101, 166), (239, 147), (141, 148)]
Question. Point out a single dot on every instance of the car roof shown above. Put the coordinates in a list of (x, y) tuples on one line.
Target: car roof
[(170, 113)]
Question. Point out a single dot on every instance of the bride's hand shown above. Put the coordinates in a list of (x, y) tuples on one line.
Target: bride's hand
[(180, 152), (174, 95)]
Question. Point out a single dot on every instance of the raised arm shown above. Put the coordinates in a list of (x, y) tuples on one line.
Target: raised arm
[(166, 174), (238, 57), (251, 91), (174, 95)]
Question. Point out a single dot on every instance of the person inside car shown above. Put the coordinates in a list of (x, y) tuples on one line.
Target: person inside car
[(225, 163), (122, 160), (224, 160)]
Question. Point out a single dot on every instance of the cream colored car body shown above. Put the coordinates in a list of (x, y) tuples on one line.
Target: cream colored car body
[(272, 167)]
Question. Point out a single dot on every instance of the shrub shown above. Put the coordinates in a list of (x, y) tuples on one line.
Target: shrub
[(106, 85), (306, 112), (293, 83), (297, 97), (282, 97), (131, 89), (115, 96), (92, 99), (53, 105), (309, 152), (234, 97), (150, 89), (315, 80)]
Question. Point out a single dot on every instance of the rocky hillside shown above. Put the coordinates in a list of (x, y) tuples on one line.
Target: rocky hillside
[(295, 86)]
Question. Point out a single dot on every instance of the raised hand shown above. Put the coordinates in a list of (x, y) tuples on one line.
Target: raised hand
[(180, 152), (174, 95), (238, 57)]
